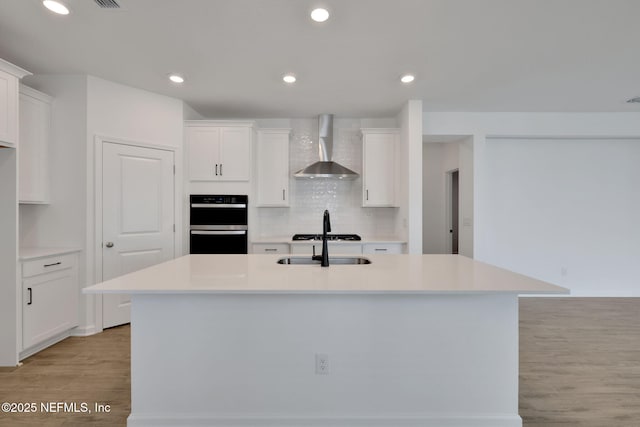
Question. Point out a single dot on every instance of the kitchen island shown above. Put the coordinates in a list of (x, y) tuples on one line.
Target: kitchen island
[(408, 340)]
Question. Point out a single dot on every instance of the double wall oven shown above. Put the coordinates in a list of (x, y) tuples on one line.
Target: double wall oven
[(218, 224)]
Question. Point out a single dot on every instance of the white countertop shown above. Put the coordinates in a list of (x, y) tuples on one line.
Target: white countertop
[(260, 274), (28, 253)]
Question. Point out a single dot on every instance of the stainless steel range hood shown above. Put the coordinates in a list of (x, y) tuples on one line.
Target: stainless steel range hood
[(326, 168)]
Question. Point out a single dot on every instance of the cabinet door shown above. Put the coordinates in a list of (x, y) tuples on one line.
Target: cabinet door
[(203, 145), (273, 168), (270, 248), (50, 306), (235, 154), (8, 109), (35, 122), (379, 153), (382, 248)]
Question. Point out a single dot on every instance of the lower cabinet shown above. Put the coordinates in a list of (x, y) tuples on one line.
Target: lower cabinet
[(50, 298)]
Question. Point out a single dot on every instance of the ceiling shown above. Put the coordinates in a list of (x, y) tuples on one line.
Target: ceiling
[(467, 55)]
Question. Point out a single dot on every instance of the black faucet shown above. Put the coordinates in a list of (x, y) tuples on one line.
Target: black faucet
[(326, 228)]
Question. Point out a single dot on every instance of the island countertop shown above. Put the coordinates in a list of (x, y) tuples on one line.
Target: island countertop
[(387, 274)]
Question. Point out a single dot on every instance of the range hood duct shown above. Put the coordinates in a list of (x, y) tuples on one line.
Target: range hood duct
[(325, 168)]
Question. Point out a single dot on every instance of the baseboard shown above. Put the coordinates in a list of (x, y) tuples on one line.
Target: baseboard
[(167, 420), (84, 331), (44, 344)]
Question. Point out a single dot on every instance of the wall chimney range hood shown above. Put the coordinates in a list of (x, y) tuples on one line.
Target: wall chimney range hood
[(325, 168)]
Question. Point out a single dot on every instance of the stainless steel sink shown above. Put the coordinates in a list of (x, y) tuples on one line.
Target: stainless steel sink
[(306, 260)]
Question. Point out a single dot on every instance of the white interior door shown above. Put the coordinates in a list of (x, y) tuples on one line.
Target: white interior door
[(137, 217)]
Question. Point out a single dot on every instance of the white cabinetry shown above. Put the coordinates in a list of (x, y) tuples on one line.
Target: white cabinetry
[(9, 80), (35, 124), (382, 248), (379, 167), (272, 160), (50, 299), (270, 248), (334, 248), (219, 151)]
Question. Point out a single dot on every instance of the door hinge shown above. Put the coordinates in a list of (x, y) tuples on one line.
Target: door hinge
[(174, 228)]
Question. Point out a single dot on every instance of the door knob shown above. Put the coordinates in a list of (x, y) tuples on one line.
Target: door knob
[(109, 244)]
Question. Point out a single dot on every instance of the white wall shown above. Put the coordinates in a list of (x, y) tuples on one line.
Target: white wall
[(545, 257), (9, 295), (409, 219), (566, 211)]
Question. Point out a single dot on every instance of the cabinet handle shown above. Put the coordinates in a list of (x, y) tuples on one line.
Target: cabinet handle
[(216, 169), (30, 296), (283, 194), (220, 169), (271, 250), (55, 263), (381, 249), (367, 194)]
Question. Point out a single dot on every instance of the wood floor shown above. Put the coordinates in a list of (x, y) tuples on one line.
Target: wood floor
[(579, 366)]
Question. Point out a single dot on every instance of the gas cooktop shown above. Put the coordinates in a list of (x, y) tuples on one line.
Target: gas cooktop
[(345, 237)]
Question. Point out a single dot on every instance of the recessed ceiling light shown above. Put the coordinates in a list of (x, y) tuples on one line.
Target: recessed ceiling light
[(319, 14), (176, 78), (407, 78), (634, 100), (56, 6), (289, 78)]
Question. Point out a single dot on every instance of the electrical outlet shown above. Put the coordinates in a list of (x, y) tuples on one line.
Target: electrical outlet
[(322, 364)]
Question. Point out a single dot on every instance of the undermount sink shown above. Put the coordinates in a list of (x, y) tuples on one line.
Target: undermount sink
[(306, 260)]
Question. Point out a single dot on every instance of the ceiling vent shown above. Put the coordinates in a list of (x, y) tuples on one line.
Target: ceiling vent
[(108, 4)]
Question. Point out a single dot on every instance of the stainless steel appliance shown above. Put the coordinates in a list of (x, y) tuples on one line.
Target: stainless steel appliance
[(218, 224)]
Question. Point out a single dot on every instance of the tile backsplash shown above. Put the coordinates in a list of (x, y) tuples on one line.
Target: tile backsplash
[(343, 198)]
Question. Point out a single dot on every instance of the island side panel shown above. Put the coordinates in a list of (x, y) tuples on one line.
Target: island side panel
[(394, 360)]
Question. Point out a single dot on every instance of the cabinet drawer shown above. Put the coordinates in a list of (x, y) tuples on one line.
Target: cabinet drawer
[(382, 248), (270, 248), (47, 265)]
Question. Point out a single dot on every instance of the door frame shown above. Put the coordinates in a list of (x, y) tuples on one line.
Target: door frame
[(448, 210), (99, 141)]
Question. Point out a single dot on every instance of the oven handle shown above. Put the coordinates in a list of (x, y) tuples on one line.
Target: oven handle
[(219, 232), (218, 205)]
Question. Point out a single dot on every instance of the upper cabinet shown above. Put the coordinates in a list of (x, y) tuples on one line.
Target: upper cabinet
[(273, 167), (10, 76), (219, 151), (379, 167), (35, 126)]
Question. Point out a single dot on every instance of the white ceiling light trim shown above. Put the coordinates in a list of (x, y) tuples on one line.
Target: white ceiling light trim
[(319, 14), (407, 78), (176, 78), (289, 78), (56, 7)]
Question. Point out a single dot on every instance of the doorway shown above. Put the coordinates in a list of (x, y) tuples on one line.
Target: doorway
[(453, 203), (137, 217)]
